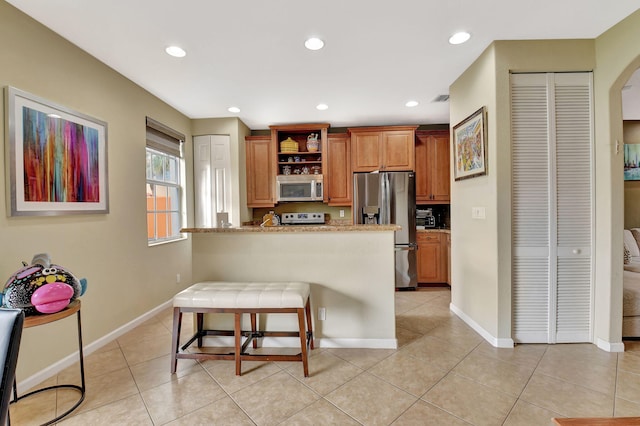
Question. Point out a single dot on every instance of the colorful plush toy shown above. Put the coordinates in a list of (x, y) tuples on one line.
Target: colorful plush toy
[(41, 287)]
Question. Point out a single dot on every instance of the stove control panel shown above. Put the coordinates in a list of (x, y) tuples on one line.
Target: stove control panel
[(302, 218)]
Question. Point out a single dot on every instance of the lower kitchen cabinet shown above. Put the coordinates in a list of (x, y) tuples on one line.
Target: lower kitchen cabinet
[(449, 259), (432, 257)]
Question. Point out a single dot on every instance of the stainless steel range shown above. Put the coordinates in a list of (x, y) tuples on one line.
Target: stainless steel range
[(302, 218)]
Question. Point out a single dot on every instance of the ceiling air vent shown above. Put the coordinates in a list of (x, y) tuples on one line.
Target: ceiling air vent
[(441, 98)]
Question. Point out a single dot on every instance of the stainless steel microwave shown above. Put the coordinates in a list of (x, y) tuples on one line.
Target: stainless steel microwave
[(299, 187)]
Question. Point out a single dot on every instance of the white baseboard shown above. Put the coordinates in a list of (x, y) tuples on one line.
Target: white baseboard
[(610, 347), (358, 343), (294, 342), (71, 359), (493, 341)]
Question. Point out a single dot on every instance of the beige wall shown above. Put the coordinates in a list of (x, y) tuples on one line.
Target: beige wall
[(126, 278), (631, 134), (474, 242), (617, 57), (613, 57)]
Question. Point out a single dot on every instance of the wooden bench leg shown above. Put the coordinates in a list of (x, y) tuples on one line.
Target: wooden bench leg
[(200, 327), (303, 341), (253, 330), (177, 323), (307, 309), (238, 336)]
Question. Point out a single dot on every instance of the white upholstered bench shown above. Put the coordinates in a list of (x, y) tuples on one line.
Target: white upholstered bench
[(243, 298)]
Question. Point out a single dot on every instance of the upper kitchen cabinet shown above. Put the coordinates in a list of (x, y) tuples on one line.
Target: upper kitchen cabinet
[(338, 177), (390, 148), (260, 171), (299, 148), (432, 167)]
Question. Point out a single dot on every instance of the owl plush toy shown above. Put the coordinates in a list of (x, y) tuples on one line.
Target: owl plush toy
[(42, 287)]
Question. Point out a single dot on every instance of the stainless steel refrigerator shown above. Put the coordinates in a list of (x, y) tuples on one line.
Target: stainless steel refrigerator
[(390, 198)]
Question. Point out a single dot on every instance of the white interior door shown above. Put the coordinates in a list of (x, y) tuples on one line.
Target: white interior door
[(212, 180), (552, 208)]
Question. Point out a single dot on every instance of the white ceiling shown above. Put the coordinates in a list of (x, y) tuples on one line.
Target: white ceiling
[(250, 54)]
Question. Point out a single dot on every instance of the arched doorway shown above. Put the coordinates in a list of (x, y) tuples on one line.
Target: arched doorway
[(631, 139)]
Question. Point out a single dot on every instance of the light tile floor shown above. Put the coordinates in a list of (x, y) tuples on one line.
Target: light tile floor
[(442, 374)]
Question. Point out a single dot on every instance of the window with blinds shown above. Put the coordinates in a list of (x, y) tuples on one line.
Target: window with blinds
[(165, 190), (552, 207)]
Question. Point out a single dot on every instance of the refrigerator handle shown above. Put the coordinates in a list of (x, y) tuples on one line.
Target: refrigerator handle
[(408, 247)]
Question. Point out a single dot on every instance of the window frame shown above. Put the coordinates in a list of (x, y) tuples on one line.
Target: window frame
[(167, 146)]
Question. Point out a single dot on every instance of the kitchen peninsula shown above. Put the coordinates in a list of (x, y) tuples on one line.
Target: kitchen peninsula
[(350, 269)]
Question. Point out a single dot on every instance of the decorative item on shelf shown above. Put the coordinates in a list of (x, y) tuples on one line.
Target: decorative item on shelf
[(312, 142), (286, 170), (288, 145), (316, 170), (305, 170)]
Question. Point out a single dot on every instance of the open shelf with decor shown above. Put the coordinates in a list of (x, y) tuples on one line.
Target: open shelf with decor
[(299, 148)]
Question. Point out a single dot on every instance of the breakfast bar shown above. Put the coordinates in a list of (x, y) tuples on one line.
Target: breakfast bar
[(350, 269)]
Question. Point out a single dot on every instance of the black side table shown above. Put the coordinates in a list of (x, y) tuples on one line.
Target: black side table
[(36, 320)]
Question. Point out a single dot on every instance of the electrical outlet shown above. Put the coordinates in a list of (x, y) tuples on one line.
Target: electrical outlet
[(177, 278), (341, 213), (322, 314)]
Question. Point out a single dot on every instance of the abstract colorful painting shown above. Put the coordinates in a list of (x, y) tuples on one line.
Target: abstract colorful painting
[(470, 146), (57, 158)]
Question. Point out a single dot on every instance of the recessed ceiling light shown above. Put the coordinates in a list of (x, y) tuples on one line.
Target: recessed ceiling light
[(233, 109), (459, 38), (322, 107), (176, 52), (314, 43), (411, 104), (53, 115)]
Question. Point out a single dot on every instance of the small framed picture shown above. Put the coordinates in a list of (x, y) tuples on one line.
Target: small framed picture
[(632, 161), (470, 146), (57, 159)]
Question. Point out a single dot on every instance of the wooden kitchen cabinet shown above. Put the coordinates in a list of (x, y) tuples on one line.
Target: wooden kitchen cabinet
[(390, 148), (338, 179), (260, 171), (432, 262), (448, 243), (432, 167)]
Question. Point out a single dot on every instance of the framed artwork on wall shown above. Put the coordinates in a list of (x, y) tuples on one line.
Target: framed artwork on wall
[(57, 160), (632, 161), (470, 146)]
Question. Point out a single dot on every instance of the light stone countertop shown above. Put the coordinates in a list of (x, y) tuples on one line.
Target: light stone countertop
[(295, 228), (441, 230)]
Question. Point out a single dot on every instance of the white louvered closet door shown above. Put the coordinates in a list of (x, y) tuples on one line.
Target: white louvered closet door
[(552, 211), (212, 179)]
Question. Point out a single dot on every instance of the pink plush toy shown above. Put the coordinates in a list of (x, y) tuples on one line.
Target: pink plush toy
[(42, 287)]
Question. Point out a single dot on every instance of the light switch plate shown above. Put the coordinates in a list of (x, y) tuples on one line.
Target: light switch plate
[(478, 213)]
